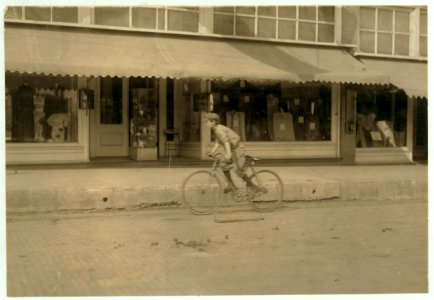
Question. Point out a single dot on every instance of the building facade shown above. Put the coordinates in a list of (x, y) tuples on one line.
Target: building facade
[(335, 83)]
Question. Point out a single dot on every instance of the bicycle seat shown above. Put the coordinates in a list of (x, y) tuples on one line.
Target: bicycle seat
[(251, 158)]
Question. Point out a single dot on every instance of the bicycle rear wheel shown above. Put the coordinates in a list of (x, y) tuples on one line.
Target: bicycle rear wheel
[(271, 193), (201, 192)]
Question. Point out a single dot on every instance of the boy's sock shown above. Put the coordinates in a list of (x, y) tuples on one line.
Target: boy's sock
[(250, 184)]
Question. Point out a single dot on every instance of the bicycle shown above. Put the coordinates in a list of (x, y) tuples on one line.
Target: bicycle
[(202, 190)]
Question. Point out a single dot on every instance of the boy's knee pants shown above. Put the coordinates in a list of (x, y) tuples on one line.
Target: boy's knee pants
[(239, 159)]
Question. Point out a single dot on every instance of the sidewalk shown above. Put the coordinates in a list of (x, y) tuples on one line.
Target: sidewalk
[(50, 189)]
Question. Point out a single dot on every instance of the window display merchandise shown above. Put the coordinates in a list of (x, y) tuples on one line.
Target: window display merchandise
[(40, 109), (143, 121), (381, 119), (274, 113)]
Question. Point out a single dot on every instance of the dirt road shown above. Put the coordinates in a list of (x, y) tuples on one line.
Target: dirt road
[(308, 248)]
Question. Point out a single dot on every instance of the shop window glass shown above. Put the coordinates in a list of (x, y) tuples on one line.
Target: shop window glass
[(287, 12), (38, 13), (267, 11), (423, 46), (14, 12), (421, 122), (307, 12), (325, 33), (195, 101), (143, 17), (367, 18), (65, 14), (266, 28), (367, 41), (245, 10), (41, 109), (183, 21), (314, 24), (385, 20), (384, 43), (307, 31), (402, 22), (287, 30), (224, 24), (381, 119), (326, 14), (111, 100), (423, 23), (112, 16), (423, 34), (143, 112), (245, 26), (273, 112), (224, 9), (402, 43)]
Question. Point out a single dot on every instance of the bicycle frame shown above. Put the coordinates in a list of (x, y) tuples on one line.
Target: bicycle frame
[(217, 170)]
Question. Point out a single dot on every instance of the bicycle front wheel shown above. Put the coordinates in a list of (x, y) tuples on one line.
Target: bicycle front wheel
[(271, 191), (201, 192)]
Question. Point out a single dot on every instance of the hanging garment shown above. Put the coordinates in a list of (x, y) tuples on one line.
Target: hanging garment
[(236, 121), (283, 127), (386, 133), (22, 114)]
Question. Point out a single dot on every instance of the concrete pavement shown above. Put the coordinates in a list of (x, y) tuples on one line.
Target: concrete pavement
[(126, 187)]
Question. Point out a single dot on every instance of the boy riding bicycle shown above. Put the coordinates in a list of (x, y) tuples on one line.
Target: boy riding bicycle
[(234, 153)]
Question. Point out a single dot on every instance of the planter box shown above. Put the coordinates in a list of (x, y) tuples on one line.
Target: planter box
[(143, 153)]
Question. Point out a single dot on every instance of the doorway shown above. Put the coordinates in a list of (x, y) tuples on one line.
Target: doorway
[(109, 120)]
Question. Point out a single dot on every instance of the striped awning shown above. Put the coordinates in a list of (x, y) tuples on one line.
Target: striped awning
[(410, 76), (97, 52)]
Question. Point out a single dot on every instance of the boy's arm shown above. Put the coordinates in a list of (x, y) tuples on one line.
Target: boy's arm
[(228, 153), (214, 149)]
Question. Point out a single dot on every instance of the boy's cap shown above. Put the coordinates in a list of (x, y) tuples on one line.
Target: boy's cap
[(213, 117)]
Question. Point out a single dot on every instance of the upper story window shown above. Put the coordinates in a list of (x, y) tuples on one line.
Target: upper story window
[(384, 31), (184, 19), (423, 38), (303, 23), (43, 14)]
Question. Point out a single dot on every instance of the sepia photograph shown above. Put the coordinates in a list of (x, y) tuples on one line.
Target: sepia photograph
[(224, 149)]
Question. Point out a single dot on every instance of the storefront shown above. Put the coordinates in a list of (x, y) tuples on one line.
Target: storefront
[(74, 94)]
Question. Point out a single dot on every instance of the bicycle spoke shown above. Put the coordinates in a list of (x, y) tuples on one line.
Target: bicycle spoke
[(201, 192), (269, 193)]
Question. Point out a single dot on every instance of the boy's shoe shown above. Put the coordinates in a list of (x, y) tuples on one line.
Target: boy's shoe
[(257, 190), (228, 190)]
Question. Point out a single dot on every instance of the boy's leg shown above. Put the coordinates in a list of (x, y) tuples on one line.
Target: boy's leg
[(231, 186), (239, 158)]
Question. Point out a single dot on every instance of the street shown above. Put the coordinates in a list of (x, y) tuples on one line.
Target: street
[(318, 247)]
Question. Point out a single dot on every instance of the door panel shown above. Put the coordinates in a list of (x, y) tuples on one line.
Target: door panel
[(111, 117)]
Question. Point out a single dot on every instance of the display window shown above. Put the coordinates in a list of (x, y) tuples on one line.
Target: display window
[(143, 112), (195, 98), (275, 112), (41, 109), (278, 112), (381, 118)]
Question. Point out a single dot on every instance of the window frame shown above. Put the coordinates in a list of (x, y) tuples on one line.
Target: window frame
[(276, 20), (425, 35), (376, 31)]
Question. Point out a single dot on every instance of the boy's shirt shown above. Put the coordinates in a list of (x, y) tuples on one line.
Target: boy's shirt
[(225, 134)]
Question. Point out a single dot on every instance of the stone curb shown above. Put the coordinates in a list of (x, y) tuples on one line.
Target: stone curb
[(86, 198)]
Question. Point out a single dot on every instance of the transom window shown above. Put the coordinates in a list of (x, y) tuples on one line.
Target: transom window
[(304, 23), (384, 31)]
